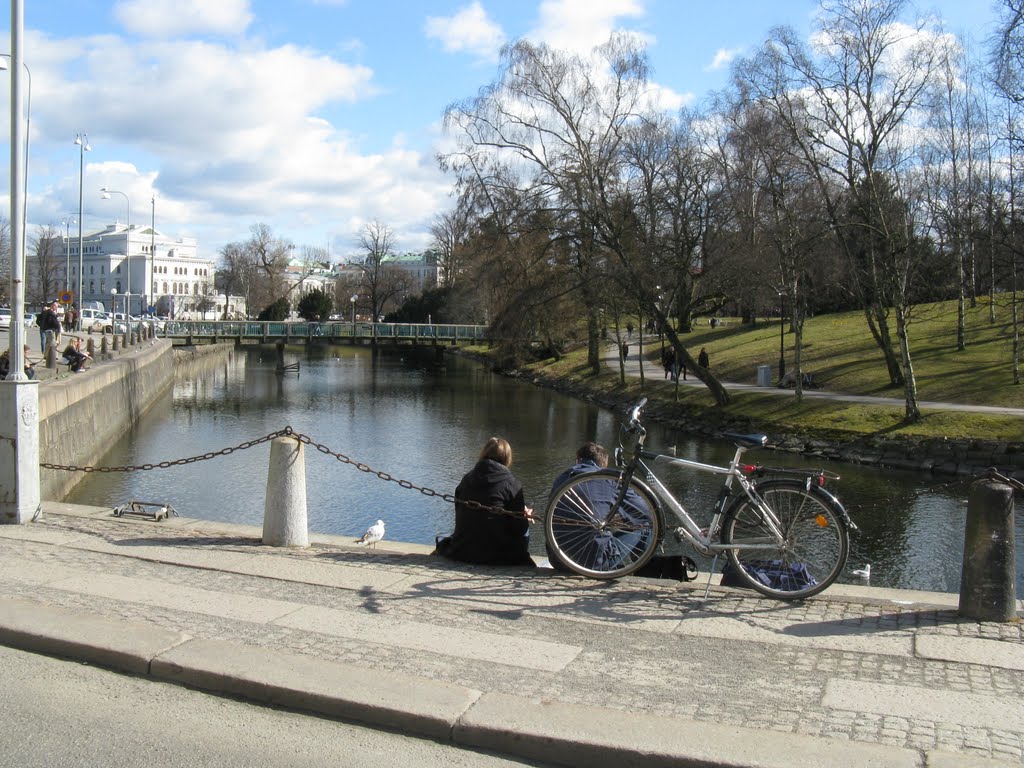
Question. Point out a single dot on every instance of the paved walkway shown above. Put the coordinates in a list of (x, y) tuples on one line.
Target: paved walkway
[(655, 371), (545, 667)]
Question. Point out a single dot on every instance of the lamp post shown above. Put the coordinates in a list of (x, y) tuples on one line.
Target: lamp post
[(105, 193), (4, 58), (353, 300), (67, 222), (82, 140), (782, 331), (151, 283)]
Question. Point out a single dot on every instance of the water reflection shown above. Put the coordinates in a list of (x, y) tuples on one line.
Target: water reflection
[(423, 419)]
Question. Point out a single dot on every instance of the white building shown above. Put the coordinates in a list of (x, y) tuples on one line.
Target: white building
[(166, 275)]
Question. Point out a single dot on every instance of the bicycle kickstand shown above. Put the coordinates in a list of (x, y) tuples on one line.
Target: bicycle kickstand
[(711, 572)]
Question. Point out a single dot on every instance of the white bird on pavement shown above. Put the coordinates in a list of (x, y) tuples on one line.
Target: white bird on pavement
[(373, 534), (864, 573)]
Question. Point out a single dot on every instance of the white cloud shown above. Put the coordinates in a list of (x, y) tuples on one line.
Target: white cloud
[(470, 30), (169, 18), (580, 25), (723, 57)]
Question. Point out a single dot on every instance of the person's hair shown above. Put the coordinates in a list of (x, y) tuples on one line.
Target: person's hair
[(593, 452), (497, 449)]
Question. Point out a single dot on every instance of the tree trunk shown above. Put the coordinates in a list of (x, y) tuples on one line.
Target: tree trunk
[(911, 410)]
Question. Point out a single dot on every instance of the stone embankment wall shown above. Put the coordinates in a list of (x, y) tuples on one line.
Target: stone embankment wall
[(81, 416)]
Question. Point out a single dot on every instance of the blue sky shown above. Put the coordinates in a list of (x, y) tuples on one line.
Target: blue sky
[(317, 116)]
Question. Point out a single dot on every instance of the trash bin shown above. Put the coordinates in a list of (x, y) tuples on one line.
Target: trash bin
[(764, 375)]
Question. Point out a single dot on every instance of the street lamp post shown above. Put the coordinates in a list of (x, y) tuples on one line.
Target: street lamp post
[(782, 331), (82, 140), (67, 222), (353, 300), (151, 283), (4, 58), (106, 193)]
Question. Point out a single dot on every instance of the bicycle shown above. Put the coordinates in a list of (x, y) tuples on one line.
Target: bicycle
[(609, 522)]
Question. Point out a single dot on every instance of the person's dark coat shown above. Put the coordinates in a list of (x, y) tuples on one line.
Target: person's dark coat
[(489, 537), (49, 321)]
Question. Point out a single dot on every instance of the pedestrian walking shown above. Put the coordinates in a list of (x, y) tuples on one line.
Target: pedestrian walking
[(702, 359)]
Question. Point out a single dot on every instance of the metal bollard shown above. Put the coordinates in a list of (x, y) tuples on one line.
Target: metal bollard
[(987, 581), (284, 511)]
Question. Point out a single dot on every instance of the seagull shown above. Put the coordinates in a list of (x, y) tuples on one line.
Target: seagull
[(373, 534), (864, 573)]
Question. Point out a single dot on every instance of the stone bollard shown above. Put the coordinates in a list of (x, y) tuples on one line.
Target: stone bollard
[(116, 340), (90, 347), (284, 512), (987, 586), (103, 345)]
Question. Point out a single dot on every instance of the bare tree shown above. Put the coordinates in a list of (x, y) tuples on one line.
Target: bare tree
[(554, 125), (44, 263), (846, 104), (381, 282)]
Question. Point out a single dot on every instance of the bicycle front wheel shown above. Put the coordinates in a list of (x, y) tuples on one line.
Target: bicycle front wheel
[(809, 551), (595, 537)]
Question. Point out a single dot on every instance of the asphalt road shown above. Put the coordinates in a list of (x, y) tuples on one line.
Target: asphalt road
[(58, 714)]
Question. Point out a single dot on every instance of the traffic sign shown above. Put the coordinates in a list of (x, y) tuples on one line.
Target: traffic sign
[(66, 297)]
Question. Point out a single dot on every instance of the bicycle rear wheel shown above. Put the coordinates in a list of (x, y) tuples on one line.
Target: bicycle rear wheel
[(814, 546), (589, 538)]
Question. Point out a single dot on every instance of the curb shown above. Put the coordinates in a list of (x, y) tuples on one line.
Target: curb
[(551, 731)]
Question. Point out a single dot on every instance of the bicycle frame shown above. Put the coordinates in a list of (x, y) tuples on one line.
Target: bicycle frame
[(704, 541), (735, 474)]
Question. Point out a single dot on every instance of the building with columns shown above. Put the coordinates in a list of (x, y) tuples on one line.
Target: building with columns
[(167, 276)]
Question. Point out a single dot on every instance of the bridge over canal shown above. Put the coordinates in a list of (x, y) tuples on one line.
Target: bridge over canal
[(258, 332)]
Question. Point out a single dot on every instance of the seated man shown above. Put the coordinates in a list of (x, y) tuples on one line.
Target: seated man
[(589, 457), (74, 355)]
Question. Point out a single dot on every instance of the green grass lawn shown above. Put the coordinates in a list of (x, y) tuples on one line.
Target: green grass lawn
[(841, 354)]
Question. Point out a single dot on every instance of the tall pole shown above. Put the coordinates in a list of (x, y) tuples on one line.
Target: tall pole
[(67, 254), (127, 248), (82, 140), (28, 140), (16, 333), (19, 409), (151, 284)]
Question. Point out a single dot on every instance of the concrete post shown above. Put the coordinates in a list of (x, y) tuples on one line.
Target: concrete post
[(19, 451), (51, 355), (116, 340), (284, 512), (987, 581)]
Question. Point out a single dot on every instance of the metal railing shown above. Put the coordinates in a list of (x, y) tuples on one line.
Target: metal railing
[(251, 329)]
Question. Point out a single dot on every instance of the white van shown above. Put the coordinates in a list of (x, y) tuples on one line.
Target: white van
[(98, 321)]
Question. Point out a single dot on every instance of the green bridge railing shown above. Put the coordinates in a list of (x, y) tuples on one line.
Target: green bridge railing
[(273, 331)]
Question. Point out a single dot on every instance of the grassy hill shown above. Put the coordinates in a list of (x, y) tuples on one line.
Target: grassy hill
[(841, 354)]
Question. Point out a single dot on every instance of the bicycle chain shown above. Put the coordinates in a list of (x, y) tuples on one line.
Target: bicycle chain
[(305, 439)]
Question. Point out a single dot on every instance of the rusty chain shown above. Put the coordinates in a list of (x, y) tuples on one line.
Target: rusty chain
[(305, 439)]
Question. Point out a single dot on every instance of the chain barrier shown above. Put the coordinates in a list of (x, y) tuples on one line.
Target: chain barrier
[(995, 474), (305, 439)]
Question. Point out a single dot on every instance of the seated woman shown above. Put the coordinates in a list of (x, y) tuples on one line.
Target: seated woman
[(75, 356), (490, 538)]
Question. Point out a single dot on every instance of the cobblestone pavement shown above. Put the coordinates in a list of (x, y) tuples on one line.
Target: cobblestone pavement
[(841, 667)]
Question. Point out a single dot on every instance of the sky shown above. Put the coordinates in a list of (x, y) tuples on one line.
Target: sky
[(315, 117)]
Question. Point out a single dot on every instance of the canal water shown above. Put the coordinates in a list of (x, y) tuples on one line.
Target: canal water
[(423, 419)]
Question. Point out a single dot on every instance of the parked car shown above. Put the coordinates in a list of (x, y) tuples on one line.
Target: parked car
[(97, 321), (5, 318), (30, 320)]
